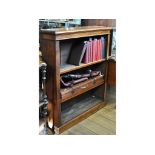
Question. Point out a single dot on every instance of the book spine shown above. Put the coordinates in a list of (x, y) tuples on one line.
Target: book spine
[(83, 52), (100, 49), (95, 50), (91, 49), (88, 51), (86, 54), (103, 47)]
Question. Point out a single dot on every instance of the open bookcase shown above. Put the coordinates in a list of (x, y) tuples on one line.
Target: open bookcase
[(73, 104)]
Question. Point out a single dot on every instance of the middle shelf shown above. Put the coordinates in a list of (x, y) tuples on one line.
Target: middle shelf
[(75, 90), (65, 68)]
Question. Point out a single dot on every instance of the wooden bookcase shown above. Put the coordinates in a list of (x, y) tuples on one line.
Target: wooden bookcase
[(55, 45)]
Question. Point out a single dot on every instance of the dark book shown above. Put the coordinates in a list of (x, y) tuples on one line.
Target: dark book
[(103, 47), (89, 54), (86, 55), (77, 53), (100, 49)]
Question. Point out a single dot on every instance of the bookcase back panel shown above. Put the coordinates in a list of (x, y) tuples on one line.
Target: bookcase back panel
[(65, 48), (99, 67)]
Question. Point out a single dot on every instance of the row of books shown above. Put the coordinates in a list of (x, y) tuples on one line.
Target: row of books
[(88, 51)]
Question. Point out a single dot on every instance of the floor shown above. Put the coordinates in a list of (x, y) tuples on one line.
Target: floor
[(102, 122)]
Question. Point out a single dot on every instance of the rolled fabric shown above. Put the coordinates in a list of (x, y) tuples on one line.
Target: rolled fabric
[(70, 83)]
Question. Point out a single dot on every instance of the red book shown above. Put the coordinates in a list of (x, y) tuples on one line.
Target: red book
[(95, 50), (98, 49), (91, 50)]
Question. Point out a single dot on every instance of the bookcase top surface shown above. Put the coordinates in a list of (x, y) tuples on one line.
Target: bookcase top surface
[(74, 29), (74, 32)]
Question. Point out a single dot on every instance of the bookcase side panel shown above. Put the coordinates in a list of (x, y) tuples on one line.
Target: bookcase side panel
[(56, 73), (51, 55)]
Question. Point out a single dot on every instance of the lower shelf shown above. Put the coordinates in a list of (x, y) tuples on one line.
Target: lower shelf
[(79, 118), (78, 106)]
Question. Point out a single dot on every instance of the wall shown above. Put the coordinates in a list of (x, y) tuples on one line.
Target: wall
[(99, 22)]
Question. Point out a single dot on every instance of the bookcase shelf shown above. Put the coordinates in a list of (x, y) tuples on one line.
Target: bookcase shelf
[(78, 106), (71, 92), (73, 104), (65, 68), (81, 116)]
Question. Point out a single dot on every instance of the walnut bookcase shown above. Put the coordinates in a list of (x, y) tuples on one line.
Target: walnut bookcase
[(78, 104)]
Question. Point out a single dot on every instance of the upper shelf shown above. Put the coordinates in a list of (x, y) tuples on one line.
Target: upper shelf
[(65, 68), (74, 32)]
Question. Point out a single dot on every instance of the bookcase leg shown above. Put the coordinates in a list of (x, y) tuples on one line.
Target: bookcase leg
[(56, 130), (50, 116), (105, 91)]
